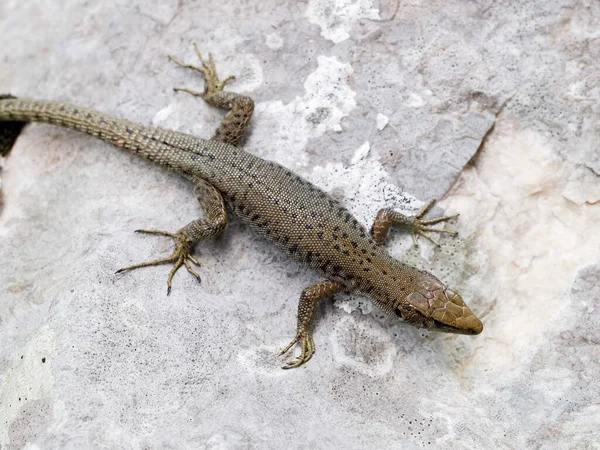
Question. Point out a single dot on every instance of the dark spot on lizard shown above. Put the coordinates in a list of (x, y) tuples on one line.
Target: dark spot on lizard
[(354, 244), (255, 217), (294, 248), (129, 130), (320, 234), (309, 226)]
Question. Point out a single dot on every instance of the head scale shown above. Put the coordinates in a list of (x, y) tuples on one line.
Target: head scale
[(430, 304)]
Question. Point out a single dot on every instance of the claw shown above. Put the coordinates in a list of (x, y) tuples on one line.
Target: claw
[(418, 226), (212, 84), (307, 346), (180, 256)]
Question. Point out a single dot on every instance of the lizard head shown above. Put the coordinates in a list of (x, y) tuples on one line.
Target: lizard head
[(430, 304)]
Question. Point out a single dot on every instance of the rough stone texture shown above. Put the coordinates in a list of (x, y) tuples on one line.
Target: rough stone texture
[(379, 103)]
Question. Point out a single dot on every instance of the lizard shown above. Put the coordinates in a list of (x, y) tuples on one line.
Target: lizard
[(307, 223)]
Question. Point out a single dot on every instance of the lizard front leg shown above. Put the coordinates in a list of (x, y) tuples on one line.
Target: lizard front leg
[(306, 318), (240, 107), (414, 224), (187, 237)]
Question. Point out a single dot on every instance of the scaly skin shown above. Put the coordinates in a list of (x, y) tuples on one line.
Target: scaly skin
[(304, 221)]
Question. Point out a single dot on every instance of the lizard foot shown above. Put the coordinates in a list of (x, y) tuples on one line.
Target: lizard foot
[(308, 349), (212, 84), (181, 256), (416, 225)]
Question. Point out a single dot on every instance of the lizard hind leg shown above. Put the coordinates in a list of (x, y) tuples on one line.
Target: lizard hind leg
[(415, 225), (240, 106), (306, 318), (187, 237)]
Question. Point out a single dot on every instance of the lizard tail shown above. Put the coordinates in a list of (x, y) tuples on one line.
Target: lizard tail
[(152, 143), (9, 131)]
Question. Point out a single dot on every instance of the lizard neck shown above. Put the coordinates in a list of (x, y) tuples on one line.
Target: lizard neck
[(390, 281)]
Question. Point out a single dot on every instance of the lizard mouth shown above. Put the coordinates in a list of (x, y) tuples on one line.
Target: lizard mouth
[(440, 326)]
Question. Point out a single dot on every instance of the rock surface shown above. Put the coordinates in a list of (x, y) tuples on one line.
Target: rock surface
[(493, 106)]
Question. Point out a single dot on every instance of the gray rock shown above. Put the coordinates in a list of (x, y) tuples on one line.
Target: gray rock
[(492, 108)]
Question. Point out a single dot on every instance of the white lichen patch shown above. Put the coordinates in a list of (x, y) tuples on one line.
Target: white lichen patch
[(365, 186), (515, 214), (328, 98), (337, 17), (30, 378)]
